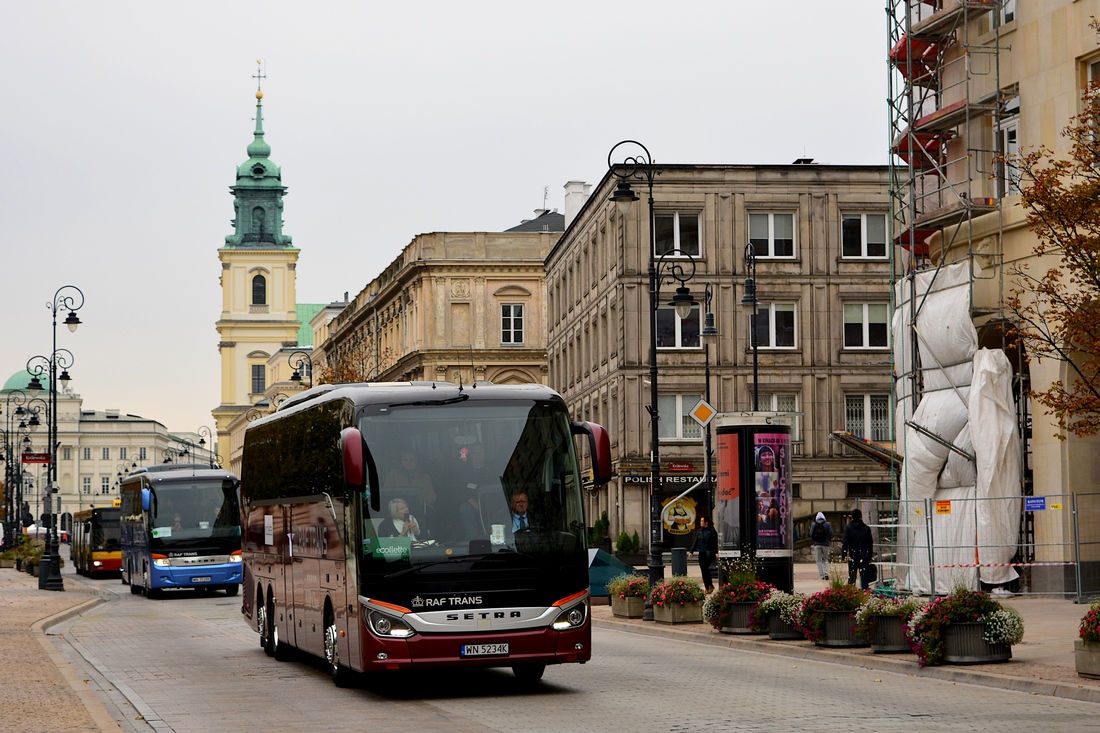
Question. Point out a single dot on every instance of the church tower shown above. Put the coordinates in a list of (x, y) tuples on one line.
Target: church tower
[(259, 314)]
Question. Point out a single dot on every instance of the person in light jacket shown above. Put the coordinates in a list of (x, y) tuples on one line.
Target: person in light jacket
[(821, 533)]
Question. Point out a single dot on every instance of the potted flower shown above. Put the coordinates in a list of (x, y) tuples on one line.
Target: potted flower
[(1086, 650), (628, 593), (964, 627), (730, 608), (678, 600), (883, 620), (781, 609), (827, 617), (7, 558)]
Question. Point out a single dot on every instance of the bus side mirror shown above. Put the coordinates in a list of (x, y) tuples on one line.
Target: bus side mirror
[(146, 500), (599, 445), (360, 472)]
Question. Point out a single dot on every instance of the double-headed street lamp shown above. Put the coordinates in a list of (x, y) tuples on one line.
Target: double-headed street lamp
[(303, 360), (749, 301), (666, 267), (70, 298), (204, 432), (13, 466)]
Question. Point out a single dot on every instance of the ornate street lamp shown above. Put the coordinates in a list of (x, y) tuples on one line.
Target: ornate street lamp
[(70, 298), (641, 168), (748, 300), (303, 360), (204, 433)]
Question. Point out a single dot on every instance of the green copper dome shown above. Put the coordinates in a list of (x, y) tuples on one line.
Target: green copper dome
[(258, 171), (258, 196), (21, 379)]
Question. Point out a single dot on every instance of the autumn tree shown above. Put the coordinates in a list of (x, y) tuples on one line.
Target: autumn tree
[(1058, 312), (354, 360)]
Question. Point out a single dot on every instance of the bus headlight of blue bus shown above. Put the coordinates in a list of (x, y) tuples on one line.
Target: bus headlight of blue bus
[(161, 561), (385, 625), (236, 556)]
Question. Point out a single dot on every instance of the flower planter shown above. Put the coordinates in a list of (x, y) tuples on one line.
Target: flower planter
[(629, 607), (889, 635), (839, 630), (1086, 658), (34, 570), (963, 644), (7, 562), (780, 629), (674, 613), (737, 621)]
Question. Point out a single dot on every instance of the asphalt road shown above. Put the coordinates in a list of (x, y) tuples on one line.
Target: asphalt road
[(189, 663)]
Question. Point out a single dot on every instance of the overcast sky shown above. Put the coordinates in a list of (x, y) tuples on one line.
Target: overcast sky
[(122, 123)]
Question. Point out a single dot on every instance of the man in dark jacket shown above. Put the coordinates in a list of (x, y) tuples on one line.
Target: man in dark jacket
[(856, 548)]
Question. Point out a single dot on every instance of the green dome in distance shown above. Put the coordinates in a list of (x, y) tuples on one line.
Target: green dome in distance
[(22, 378)]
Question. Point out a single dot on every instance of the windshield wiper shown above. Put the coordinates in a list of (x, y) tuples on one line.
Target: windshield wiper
[(418, 568)]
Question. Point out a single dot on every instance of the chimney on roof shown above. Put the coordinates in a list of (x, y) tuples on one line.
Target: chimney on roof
[(576, 193)]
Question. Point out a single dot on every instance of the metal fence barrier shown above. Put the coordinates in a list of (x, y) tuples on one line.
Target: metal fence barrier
[(1047, 545)]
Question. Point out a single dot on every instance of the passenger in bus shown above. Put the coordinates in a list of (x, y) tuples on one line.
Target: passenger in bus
[(402, 523), (177, 523), (412, 481)]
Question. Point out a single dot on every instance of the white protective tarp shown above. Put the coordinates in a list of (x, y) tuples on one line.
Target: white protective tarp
[(966, 404)]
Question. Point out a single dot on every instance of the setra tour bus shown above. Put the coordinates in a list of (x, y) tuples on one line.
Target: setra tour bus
[(381, 531), (95, 548), (181, 528)]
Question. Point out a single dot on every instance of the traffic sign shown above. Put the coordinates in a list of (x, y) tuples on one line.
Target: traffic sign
[(703, 413), (36, 458)]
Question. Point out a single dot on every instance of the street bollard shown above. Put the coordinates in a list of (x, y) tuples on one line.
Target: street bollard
[(43, 571)]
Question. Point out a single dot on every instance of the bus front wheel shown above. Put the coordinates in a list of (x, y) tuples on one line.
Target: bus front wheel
[(528, 673), (341, 675), (232, 589)]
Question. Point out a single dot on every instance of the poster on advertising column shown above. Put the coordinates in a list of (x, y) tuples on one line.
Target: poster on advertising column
[(772, 453), (727, 506)]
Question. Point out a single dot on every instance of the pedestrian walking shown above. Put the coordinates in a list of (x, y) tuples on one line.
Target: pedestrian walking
[(856, 548), (821, 533), (706, 542)]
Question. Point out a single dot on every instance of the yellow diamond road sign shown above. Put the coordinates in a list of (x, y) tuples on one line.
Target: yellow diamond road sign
[(703, 413)]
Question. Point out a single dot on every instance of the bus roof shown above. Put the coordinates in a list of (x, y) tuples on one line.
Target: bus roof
[(171, 471)]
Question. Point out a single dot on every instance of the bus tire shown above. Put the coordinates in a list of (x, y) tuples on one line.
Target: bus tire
[(528, 673), (341, 675), (261, 621), (150, 592), (135, 589), (232, 589)]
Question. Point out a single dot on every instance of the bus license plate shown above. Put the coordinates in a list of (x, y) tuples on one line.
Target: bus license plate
[(484, 650), (201, 579)]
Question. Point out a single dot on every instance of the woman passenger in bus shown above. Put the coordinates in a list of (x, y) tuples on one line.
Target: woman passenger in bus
[(401, 523)]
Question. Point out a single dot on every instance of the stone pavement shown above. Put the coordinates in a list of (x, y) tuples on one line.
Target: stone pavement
[(45, 694), (1042, 664), (41, 693)]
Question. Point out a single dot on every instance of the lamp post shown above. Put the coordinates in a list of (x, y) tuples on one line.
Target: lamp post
[(67, 297), (640, 167), (303, 360), (204, 432), (13, 506), (186, 450), (749, 301), (708, 334)]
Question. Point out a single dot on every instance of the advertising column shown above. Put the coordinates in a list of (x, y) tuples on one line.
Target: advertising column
[(753, 500)]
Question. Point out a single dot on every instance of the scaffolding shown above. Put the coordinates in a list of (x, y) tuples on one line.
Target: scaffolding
[(947, 142)]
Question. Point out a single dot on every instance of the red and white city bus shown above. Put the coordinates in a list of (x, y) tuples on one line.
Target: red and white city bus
[(380, 530)]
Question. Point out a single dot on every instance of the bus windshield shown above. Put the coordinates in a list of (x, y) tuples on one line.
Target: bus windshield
[(185, 511), (471, 480), (106, 532)]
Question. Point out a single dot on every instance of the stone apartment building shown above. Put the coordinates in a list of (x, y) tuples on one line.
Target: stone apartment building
[(823, 279)]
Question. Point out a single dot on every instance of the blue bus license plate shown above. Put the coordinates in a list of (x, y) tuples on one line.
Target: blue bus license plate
[(201, 579), (484, 650)]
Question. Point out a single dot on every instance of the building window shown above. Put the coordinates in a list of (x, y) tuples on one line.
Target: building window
[(258, 220), (259, 379), (122, 454), (865, 326), (772, 235), (775, 326), (868, 415), (141, 454), (870, 490), (66, 453), (783, 403), (1008, 145), (259, 290), (678, 230), (86, 485), (674, 332), (511, 323), (104, 484), (87, 453), (796, 491), (106, 454), (1008, 11), (675, 423), (863, 235)]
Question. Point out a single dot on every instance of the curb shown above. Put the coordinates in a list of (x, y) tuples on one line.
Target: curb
[(103, 720), (877, 662)]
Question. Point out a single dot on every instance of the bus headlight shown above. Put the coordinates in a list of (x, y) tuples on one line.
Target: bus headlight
[(161, 562), (388, 626), (236, 557), (571, 618)]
